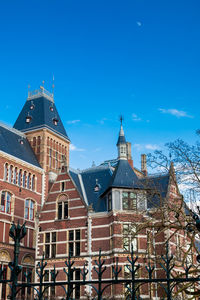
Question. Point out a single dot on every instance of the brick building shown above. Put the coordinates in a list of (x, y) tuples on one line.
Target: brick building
[(70, 211)]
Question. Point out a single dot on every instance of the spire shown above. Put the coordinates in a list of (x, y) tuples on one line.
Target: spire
[(121, 143)]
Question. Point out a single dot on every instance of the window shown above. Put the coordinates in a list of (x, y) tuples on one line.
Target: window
[(6, 202), (19, 177), (5, 171), (49, 291), (62, 186), (50, 245), (74, 242), (10, 174), (28, 180), (127, 287), (29, 209), (63, 207), (26, 291), (109, 201), (134, 201), (15, 176), (50, 157), (56, 160), (33, 183), (24, 180), (129, 237), (3, 285), (129, 200)]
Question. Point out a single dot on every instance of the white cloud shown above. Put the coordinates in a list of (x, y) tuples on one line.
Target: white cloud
[(73, 121), (139, 24), (175, 112), (140, 147), (152, 147), (135, 117), (72, 147)]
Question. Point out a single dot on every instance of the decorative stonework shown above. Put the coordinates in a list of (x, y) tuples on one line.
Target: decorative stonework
[(4, 256)]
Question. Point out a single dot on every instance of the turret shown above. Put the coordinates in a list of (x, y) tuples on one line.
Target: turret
[(121, 144)]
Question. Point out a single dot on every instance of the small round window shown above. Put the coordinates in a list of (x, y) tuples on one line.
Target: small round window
[(32, 106), (51, 108)]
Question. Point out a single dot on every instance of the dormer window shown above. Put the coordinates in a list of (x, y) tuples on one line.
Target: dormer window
[(55, 121), (28, 119), (97, 186)]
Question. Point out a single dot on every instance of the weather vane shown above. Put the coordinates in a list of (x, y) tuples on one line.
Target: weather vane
[(121, 118)]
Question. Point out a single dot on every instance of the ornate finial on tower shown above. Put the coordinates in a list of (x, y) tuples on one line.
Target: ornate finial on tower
[(121, 143), (121, 118)]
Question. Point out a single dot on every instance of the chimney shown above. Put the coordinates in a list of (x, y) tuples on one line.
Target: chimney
[(129, 157), (144, 164)]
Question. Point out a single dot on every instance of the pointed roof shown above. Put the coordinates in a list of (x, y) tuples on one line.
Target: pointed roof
[(39, 112), (124, 176), (14, 142), (121, 138)]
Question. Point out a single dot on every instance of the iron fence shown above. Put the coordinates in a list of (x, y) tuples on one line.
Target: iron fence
[(168, 282)]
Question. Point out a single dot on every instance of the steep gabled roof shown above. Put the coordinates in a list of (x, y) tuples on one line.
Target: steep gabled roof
[(124, 176), (88, 179), (42, 113), (14, 143)]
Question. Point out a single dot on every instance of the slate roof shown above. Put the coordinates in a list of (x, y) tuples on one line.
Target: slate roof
[(42, 114), (123, 176), (157, 187), (15, 143), (100, 175), (121, 138)]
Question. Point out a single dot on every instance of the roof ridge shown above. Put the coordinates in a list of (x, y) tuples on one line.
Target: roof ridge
[(16, 131)]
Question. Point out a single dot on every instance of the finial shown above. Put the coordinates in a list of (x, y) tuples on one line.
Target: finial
[(121, 118), (43, 82)]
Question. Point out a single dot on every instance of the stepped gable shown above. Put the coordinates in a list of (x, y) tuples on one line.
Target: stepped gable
[(14, 143), (39, 112), (92, 183)]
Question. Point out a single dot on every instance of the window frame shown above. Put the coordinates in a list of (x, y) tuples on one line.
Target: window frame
[(29, 211), (74, 242), (50, 244), (7, 202)]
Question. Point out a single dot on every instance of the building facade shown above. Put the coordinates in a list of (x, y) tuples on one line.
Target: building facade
[(77, 212)]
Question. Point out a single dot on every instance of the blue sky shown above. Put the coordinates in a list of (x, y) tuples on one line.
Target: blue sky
[(138, 58)]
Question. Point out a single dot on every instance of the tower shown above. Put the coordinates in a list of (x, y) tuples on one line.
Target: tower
[(121, 143), (41, 123)]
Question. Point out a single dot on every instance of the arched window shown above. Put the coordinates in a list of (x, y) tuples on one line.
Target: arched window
[(24, 180), (62, 207), (5, 171), (5, 202), (29, 209), (34, 141), (15, 176), (20, 177), (33, 183), (28, 180), (10, 174)]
